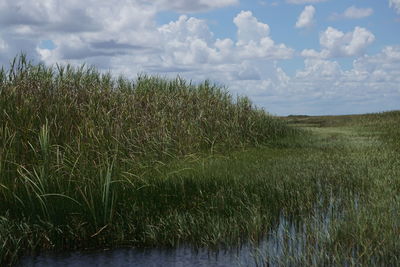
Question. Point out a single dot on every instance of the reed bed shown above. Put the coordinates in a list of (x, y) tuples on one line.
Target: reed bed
[(81, 151)]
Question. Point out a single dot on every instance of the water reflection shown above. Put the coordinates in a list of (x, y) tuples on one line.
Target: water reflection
[(287, 244), (183, 256)]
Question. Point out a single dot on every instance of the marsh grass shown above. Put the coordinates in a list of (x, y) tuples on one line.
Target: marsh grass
[(85, 158), (361, 225), (89, 161)]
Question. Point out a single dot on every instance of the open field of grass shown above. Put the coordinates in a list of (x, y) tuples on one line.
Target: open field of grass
[(88, 162), (360, 223)]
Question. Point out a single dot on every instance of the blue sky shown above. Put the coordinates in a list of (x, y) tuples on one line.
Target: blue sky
[(289, 56)]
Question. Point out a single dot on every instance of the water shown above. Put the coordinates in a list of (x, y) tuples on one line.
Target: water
[(183, 256), (289, 243), (284, 242)]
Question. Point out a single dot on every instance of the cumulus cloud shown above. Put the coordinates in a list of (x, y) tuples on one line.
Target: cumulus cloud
[(76, 15), (323, 87), (387, 61), (357, 13), (306, 18), (300, 2), (317, 69), (100, 32), (353, 13), (349, 44), (189, 43), (193, 5), (49, 16), (185, 29), (335, 43), (249, 28), (254, 40), (76, 27), (373, 80), (395, 4), (247, 71)]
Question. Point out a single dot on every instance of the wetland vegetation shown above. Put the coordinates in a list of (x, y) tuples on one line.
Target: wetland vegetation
[(89, 161)]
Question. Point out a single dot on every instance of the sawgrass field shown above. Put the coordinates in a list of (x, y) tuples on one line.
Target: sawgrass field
[(91, 161)]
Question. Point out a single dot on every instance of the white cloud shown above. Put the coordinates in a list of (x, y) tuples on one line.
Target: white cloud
[(193, 5), (395, 4), (183, 46), (189, 41), (357, 13), (186, 28), (306, 18), (300, 2), (247, 71), (269, 3), (372, 83), (356, 41), (379, 73), (335, 43), (99, 30), (94, 16), (317, 69), (353, 13), (254, 40), (323, 87), (249, 28), (388, 60), (50, 16), (79, 29), (311, 53)]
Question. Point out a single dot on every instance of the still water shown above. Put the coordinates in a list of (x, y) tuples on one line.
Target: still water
[(286, 244), (282, 242), (142, 257)]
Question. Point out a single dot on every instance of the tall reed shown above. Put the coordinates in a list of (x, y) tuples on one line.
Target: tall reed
[(74, 142)]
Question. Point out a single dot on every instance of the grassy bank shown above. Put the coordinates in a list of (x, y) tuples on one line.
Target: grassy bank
[(90, 161)]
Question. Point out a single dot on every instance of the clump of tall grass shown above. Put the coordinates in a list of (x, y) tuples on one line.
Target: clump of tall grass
[(74, 142), (150, 116)]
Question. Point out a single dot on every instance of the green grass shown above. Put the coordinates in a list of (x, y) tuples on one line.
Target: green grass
[(88, 161), (361, 225)]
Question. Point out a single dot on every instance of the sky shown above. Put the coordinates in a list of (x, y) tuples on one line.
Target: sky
[(314, 57)]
